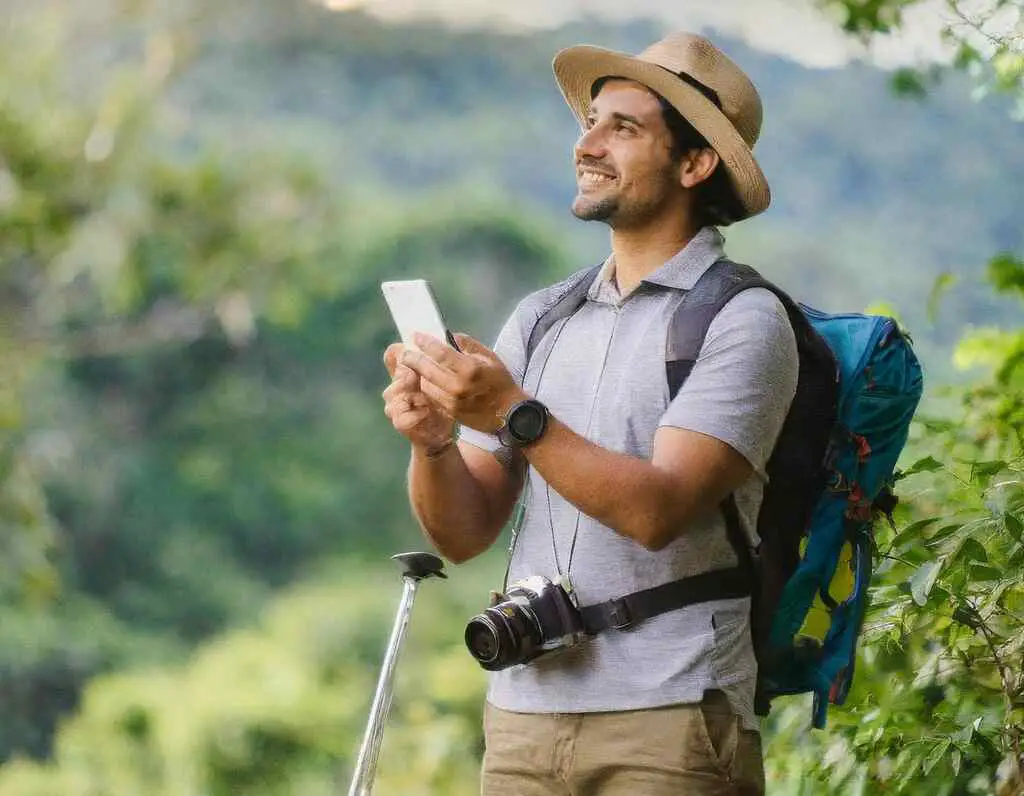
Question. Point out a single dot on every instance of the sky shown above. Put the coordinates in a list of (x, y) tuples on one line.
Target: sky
[(795, 29)]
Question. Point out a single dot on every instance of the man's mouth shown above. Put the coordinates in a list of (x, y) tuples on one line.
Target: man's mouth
[(588, 178)]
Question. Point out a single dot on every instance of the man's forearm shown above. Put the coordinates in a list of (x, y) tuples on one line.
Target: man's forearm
[(630, 495), (451, 505)]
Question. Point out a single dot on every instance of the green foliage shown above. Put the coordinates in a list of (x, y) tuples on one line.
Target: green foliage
[(986, 39), (190, 412), (872, 16), (279, 707)]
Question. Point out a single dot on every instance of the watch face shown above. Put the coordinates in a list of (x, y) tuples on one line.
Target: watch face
[(527, 422)]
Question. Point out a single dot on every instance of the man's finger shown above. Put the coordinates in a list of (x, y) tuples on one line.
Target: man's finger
[(438, 396), (407, 377), (429, 370), (411, 418), (470, 345), (441, 353), (404, 381), (391, 357)]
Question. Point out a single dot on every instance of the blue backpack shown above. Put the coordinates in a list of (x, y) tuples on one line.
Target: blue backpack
[(830, 476)]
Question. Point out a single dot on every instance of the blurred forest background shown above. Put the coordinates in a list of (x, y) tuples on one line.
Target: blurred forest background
[(199, 491)]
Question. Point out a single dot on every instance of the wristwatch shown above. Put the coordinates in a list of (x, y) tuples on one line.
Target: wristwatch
[(524, 424)]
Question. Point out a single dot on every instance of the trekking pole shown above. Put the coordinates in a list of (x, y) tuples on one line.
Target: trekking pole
[(415, 567)]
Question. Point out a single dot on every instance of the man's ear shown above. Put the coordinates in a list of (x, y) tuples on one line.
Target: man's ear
[(696, 166)]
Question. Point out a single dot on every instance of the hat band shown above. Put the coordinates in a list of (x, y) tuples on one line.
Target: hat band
[(707, 91)]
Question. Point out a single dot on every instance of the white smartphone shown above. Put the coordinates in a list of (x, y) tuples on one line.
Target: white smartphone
[(414, 309)]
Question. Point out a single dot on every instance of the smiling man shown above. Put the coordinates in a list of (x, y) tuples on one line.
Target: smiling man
[(622, 482)]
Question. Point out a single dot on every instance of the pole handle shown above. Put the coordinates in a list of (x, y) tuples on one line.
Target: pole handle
[(420, 566)]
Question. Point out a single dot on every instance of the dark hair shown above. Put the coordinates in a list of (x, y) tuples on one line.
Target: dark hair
[(716, 202)]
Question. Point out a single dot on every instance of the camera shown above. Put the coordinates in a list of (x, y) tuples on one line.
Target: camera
[(533, 617)]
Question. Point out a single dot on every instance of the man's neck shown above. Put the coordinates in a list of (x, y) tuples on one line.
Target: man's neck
[(639, 253)]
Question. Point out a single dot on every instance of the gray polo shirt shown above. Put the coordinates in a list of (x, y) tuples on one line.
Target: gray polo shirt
[(602, 373)]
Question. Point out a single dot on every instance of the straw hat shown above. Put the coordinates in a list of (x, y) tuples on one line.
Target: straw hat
[(697, 78)]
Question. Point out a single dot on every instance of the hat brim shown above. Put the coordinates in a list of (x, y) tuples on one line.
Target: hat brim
[(578, 68)]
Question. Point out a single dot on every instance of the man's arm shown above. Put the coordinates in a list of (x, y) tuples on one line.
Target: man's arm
[(462, 498), (719, 429), (715, 434), (650, 502)]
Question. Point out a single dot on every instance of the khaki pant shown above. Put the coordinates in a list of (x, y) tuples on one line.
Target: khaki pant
[(683, 749)]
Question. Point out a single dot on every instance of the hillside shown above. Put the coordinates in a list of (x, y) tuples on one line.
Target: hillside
[(874, 195)]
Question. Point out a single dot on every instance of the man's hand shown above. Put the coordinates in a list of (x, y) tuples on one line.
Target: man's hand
[(414, 416), (471, 385)]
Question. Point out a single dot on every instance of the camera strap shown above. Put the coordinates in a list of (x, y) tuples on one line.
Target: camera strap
[(624, 612), (741, 580)]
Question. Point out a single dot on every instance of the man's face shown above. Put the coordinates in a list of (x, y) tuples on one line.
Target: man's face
[(624, 170)]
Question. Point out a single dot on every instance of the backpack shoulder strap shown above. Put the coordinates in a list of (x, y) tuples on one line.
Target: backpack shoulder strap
[(685, 336), (692, 318), (556, 303), (687, 329)]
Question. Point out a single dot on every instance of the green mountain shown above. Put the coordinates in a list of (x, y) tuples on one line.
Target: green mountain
[(875, 195)]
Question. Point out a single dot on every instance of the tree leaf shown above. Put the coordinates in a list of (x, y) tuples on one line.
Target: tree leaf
[(972, 550), (909, 83), (966, 614), (922, 581), (983, 572), (966, 734), (939, 287), (935, 755), (913, 531), (1006, 272), (943, 533), (956, 759), (983, 469), (929, 464), (1014, 526)]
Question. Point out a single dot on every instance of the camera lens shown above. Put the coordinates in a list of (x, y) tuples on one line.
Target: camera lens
[(482, 640), (502, 636)]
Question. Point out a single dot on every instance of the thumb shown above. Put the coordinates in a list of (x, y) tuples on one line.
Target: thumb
[(469, 345)]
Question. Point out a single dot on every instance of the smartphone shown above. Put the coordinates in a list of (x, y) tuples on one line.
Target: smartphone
[(414, 309)]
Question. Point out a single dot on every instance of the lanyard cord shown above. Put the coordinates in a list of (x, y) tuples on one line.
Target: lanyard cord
[(520, 510), (590, 420)]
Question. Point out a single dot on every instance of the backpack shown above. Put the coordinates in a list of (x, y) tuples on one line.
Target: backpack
[(830, 476)]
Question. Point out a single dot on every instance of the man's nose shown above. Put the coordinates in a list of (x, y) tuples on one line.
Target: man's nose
[(591, 143)]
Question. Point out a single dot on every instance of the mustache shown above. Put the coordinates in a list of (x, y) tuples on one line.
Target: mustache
[(592, 164)]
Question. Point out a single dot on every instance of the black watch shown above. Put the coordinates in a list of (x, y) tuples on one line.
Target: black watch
[(524, 424)]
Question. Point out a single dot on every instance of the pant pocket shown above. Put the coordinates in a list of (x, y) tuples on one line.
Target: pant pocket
[(718, 728)]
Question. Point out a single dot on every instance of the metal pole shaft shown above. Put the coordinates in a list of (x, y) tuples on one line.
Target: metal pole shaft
[(366, 764)]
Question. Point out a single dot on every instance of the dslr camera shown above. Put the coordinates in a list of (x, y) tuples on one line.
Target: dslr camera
[(533, 617)]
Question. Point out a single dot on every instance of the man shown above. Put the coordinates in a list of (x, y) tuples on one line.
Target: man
[(623, 484)]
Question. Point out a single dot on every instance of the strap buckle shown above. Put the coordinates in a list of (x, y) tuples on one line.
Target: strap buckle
[(619, 615)]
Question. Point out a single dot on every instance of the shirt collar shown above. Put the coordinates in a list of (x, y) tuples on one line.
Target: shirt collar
[(681, 271)]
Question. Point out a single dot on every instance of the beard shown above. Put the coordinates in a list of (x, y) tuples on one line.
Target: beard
[(624, 210), (618, 214), (602, 209)]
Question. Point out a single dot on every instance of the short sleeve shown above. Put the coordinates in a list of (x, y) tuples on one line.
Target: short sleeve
[(744, 380)]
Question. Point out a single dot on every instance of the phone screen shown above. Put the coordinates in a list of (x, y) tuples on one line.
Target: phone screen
[(414, 309)]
